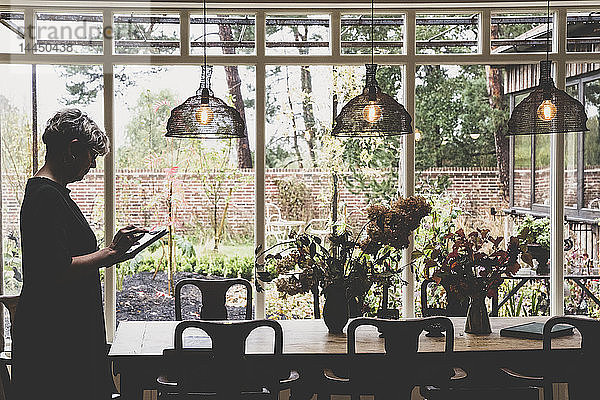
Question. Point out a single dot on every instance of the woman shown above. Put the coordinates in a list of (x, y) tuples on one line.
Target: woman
[(59, 345)]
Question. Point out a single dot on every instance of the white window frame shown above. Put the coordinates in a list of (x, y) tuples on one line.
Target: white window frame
[(410, 60)]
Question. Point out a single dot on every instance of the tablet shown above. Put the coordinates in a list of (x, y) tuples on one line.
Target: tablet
[(145, 241)]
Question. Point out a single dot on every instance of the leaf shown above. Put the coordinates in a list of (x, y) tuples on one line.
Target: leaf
[(527, 259), (313, 249), (265, 276), (416, 254)]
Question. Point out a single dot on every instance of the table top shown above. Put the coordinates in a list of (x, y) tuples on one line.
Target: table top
[(310, 336)]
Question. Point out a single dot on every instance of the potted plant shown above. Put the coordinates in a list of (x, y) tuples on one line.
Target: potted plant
[(472, 266), (346, 267), (536, 232)]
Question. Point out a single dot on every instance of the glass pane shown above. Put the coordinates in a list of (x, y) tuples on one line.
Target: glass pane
[(591, 193), (522, 172), (542, 170), (388, 34), (447, 33), (12, 31), (15, 128), (582, 31), (297, 34), (571, 160), (225, 34), (519, 32), (53, 85), (455, 126), (146, 33), (74, 33), (199, 187), (61, 86)]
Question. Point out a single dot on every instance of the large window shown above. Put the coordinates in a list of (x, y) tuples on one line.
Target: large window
[(287, 70)]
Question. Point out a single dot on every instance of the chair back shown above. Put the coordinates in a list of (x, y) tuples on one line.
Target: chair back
[(213, 297), (581, 377), (401, 346), (222, 368), (10, 302), (455, 307)]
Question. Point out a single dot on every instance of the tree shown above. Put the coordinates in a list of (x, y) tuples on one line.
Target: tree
[(234, 83), (144, 133)]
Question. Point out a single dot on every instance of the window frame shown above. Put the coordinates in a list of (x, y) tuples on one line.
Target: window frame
[(410, 59)]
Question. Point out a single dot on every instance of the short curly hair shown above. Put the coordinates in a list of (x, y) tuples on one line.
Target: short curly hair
[(71, 123)]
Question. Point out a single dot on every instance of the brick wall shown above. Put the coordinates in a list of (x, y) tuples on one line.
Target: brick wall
[(141, 196), (476, 190)]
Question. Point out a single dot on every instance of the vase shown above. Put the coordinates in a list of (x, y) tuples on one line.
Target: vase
[(542, 255), (335, 309), (478, 320)]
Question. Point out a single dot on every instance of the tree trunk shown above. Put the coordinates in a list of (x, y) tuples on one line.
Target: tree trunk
[(495, 93), (234, 83), (307, 107)]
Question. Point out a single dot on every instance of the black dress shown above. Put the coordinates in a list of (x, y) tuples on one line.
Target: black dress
[(59, 345)]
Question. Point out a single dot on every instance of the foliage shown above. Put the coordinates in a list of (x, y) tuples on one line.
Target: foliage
[(472, 264), (307, 263), (535, 230), (294, 197), (155, 258)]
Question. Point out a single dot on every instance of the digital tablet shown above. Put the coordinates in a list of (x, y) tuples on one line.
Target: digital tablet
[(145, 241), (534, 330)]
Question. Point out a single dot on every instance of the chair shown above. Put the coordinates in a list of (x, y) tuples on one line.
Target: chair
[(276, 226), (380, 376), (579, 376), (10, 302), (222, 371), (213, 296)]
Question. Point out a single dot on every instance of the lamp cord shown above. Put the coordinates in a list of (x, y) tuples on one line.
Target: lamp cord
[(548, 31), (372, 42), (205, 83)]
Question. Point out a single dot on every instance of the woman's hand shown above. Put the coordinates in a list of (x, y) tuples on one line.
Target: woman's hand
[(123, 240)]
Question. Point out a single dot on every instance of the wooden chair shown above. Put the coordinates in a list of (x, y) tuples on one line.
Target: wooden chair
[(380, 376), (213, 297), (10, 302), (580, 376), (221, 371)]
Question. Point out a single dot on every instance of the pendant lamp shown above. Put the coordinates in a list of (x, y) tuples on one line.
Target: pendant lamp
[(372, 113), (205, 116), (547, 109)]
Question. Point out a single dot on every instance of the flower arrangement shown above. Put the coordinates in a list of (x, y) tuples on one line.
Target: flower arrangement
[(474, 264), (303, 263)]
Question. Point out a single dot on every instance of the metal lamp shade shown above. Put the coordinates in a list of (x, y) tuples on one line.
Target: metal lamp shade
[(393, 120), (570, 113), (225, 122)]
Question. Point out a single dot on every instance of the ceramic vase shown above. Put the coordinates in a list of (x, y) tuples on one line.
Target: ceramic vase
[(478, 320), (335, 309)]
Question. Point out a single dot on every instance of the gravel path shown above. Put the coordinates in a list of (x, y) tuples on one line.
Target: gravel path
[(147, 299)]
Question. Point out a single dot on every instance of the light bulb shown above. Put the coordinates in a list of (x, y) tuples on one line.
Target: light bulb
[(546, 111), (417, 135), (474, 136), (204, 115), (372, 112)]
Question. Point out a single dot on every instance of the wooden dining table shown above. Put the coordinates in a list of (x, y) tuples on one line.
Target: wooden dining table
[(137, 350)]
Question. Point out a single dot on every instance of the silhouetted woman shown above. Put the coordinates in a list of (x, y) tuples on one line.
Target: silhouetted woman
[(59, 344)]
